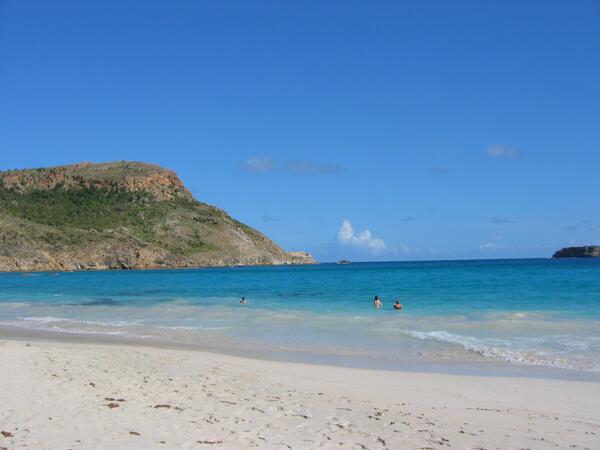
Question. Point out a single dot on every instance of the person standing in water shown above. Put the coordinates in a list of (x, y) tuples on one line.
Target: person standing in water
[(397, 305), (377, 303), (243, 301)]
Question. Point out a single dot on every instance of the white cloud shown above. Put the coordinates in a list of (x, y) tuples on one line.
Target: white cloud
[(363, 240), (259, 164), (493, 245), (502, 151)]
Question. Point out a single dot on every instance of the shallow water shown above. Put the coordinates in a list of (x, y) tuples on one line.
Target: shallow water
[(519, 314)]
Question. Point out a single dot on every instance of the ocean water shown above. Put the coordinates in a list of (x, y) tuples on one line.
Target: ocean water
[(499, 316)]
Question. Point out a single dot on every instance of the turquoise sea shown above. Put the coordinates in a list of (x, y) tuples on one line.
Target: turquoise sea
[(515, 317)]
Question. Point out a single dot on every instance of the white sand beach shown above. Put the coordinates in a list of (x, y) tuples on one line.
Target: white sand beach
[(62, 395)]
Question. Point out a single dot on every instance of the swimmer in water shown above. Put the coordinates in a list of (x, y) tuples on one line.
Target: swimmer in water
[(243, 301), (397, 305), (377, 303)]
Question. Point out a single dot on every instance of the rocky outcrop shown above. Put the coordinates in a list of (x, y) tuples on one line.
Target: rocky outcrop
[(127, 176), (300, 257), (588, 251), (121, 215)]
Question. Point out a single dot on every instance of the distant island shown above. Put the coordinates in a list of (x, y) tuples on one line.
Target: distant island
[(588, 251), (120, 215)]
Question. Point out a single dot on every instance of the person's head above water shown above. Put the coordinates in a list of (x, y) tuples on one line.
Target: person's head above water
[(376, 297), (397, 302)]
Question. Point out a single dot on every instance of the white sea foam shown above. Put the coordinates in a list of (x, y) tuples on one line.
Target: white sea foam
[(44, 319), (576, 351), (500, 349), (58, 329), (50, 319), (194, 328), (86, 331)]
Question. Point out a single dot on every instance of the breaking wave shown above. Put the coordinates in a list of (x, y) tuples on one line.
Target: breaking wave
[(509, 351)]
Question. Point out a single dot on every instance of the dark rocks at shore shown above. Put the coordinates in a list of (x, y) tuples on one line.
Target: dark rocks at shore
[(588, 251)]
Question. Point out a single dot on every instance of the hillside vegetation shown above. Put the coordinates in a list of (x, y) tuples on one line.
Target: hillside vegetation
[(119, 215)]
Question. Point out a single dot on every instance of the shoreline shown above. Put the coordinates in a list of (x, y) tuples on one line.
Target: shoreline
[(475, 368), (88, 395), (151, 268), (291, 264), (315, 263)]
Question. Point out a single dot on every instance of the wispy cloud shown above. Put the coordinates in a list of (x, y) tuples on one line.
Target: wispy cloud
[(570, 228), (439, 170), (502, 151), (309, 167), (264, 164), (363, 240), (409, 219), (493, 245), (259, 164), (589, 224), (502, 220)]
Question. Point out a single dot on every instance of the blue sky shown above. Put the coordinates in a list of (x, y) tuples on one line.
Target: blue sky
[(362, 130)]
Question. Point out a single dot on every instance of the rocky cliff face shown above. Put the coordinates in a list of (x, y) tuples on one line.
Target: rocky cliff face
[(589, 251), (120, 215), (160, 183)]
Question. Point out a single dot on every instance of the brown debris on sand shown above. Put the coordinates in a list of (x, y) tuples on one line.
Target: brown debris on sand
[(246, 403)]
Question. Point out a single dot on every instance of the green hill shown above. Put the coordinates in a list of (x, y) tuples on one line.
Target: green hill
[(119, 215)]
